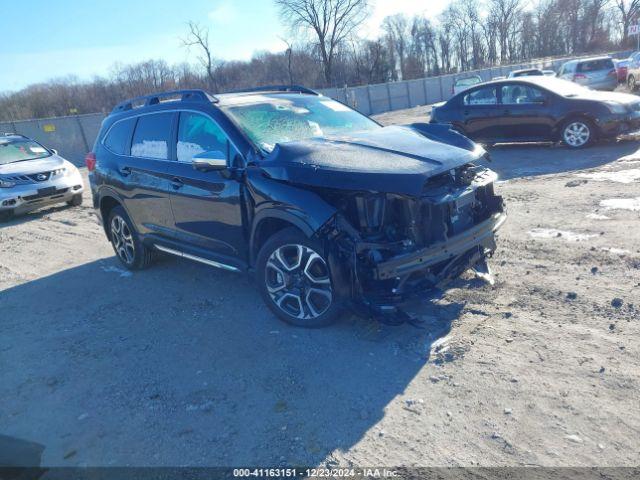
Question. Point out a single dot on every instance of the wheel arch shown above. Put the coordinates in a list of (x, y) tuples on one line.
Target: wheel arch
[(109, 201), (270, 221), (576, 116)]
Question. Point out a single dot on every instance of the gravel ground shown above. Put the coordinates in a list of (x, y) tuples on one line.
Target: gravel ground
[(183, 365)]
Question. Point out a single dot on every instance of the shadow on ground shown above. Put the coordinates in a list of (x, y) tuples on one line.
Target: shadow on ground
[(532, 160), (183, 365)]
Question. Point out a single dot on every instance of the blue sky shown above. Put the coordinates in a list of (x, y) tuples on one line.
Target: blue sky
[(43, 39)]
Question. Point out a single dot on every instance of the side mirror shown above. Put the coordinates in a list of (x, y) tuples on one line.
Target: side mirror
[(210, 161)]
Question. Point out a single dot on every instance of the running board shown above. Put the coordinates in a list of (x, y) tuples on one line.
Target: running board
[(188, 256)]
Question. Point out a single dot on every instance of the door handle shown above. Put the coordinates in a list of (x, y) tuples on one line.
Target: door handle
[(176, 183), (125, 171)]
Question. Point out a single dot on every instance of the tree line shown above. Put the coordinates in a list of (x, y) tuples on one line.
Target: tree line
[(327, 50)]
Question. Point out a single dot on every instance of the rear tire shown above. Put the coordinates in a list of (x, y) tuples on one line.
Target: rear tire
[(126, 242), (75, 201), (631, 83), (295, 280)]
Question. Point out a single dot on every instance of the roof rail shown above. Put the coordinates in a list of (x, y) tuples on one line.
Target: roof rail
[(156, 98), (278, 88)]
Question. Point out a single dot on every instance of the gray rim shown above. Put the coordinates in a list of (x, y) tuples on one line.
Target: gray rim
[(122, 240), (297, 279), (577, 134)]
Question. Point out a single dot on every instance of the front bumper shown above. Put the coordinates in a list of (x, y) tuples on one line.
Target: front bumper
[(481, 235), (25, 198), (618, 124)]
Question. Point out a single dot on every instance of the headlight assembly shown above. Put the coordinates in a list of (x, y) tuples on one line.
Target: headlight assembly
[(6, 184), (615, 107)]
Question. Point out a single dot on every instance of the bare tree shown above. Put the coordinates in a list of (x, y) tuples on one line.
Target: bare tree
[(199, 37), (332, 21)]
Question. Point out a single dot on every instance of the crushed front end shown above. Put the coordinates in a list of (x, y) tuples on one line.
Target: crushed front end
[(392, 247)]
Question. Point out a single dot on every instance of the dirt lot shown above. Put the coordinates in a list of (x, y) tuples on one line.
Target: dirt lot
[(183, 365)]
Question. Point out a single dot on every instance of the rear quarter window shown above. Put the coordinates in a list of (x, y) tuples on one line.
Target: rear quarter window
[(118, 137), (596, 65)]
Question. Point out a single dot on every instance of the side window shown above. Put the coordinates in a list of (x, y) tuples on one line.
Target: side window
[(521, 95), (483, 96), (118, 138), (152, 136), (197, 133)]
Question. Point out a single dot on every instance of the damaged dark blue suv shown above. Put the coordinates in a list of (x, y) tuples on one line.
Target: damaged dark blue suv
[(325, 207)]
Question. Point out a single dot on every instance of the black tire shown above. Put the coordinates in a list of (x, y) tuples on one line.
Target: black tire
[(75, 201), (631, 84), (291, 294), (6, 215), (577, 125), (126, 242)]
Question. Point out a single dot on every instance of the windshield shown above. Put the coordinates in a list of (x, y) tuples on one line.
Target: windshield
[(20, 150), (271, 119), (466, 82)]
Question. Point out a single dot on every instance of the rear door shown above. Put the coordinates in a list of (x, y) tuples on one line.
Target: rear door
[(206, 205), (527, 112), (143, 173), (480, 113)]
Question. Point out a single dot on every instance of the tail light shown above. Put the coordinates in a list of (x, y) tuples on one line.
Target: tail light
[(90, 161)]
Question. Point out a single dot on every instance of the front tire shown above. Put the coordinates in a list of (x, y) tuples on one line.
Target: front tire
[(75, 201), (6, 215), (295, 280), (578, 133), (126, 242)]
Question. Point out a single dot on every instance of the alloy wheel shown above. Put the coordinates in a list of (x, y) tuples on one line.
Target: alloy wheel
[(577, 134), (122, 240), (298, 281)]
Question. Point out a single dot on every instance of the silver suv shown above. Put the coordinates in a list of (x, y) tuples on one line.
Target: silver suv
[(598, 73), (32, 176)]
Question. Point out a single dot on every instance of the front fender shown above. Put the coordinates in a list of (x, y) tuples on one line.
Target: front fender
[(444, 134), (273, 199)]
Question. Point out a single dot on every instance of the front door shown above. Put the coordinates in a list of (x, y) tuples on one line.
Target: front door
[(526, 113), (206, 205)]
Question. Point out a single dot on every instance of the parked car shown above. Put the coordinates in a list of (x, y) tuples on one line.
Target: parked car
[(633, 72), (622, 69), (33, 176), (461, 84), (539, 109), (529, 72), (598, 73), (326, 207)]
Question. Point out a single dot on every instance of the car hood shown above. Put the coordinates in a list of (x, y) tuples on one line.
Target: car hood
[(623, 98), (390, 160), (33, 166)]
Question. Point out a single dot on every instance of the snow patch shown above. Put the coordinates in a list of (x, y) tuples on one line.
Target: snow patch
[(564, 234), (120, 271), (632, 204), (616, 251), (597, 216), (621, 176)]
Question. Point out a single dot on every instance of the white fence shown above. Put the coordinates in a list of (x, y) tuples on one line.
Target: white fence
[(74, 136)]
